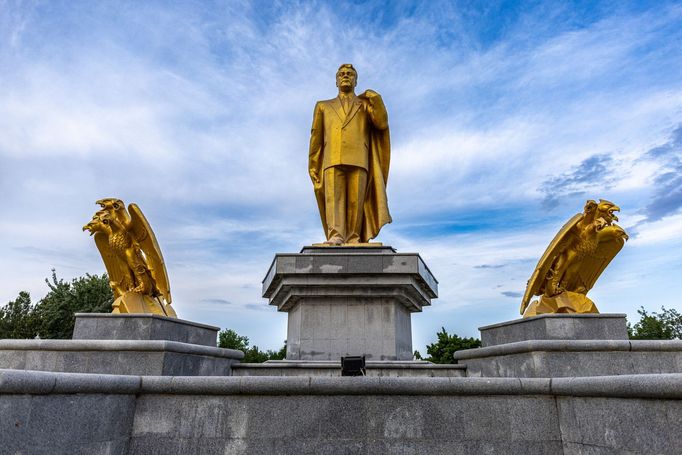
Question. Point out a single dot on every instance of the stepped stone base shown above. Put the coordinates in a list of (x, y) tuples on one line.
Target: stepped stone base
[(145, 358), (565, 358), (349, 300), (393, 369), (61, 413), (133, 344), (557, 327), (554, 346)]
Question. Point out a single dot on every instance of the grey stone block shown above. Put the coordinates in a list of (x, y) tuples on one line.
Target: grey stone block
[(562, 358), (107, 326), (629, 426), (30, 382), (289, 368), (349, 301), (184, 415), (55, 423), (117, 357), (557, 327)]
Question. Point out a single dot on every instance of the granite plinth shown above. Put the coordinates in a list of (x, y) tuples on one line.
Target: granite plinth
[(349, 301), (557, 327), (567, 345), (176, 415), (132, 357), (107, 326)]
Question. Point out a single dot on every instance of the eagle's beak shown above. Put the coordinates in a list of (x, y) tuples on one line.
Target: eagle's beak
[(88, 227)]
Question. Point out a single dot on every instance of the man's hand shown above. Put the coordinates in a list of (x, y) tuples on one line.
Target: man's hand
[(369, 95), (315, 178)]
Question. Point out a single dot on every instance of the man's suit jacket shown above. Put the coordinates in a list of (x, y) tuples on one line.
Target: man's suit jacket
[(340, 139)]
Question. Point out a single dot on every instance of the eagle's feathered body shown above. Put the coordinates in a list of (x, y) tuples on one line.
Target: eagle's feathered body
[(132, 258), (576, 257)]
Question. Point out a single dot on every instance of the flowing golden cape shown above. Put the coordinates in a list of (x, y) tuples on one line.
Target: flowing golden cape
[(375, 210)]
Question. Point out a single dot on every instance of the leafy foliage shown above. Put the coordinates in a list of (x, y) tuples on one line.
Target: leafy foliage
[(56, 311), (230, 339), (666, 325), (53, 316), (17, 319), (442, 350)]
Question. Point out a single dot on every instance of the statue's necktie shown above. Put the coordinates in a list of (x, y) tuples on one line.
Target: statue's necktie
[(345, 102)]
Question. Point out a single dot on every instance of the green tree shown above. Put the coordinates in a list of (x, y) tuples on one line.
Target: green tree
[(230, 339), (442, 350), (87, 294), (666, 325), (17, 318)]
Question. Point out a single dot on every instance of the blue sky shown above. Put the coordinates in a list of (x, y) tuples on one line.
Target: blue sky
[(505, 117)]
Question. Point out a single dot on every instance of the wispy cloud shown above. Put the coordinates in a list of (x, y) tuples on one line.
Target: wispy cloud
[(594, 174), (667, 184), (200, 112)]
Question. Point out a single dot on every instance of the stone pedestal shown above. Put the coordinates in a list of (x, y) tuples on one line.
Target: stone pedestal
[(107, 326), (557, 327), (349, 301), (567, 345), (131, 344)]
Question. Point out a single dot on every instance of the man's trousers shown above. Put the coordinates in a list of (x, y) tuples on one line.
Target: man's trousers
[(344, 194)]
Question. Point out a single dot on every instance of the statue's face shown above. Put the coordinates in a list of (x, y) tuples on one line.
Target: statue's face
[(346, 79)]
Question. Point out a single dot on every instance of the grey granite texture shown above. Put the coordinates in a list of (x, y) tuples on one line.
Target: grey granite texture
[(556, 327), (562, 358), (596, 425), (107, 326), (334, 327), (118, 357), (349, 301), (333, 369), (342, 266), (73, 413), (88, 423)]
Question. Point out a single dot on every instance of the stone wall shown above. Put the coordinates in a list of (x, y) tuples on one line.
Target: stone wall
[(78, 413)]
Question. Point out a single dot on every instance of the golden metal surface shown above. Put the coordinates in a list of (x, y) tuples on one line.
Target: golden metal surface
[(574, 260), (349, 158), (132, 257), (356, 245)]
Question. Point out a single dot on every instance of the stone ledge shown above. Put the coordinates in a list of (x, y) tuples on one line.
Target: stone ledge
[(394, 368), (42, 383), (555, 316), (657, 386), (569, 346), (388, 364), (107, 326), (556, 327), (118, 345), (340, 263), (146, 316)]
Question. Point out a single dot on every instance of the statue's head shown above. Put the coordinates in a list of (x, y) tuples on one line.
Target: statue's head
[(606, 209), (346, 77), (111, 203)]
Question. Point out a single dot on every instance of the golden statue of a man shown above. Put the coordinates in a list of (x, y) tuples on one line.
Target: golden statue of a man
[(349, 157)]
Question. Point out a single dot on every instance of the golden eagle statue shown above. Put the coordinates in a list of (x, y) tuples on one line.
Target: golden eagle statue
[(573, 261), (132, 257)]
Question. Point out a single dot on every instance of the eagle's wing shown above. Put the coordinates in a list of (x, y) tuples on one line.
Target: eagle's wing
[(143, 234), (556, 246), (116, 269), (612, 238)]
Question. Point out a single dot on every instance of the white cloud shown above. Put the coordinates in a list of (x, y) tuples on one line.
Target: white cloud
[(201, 115)]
